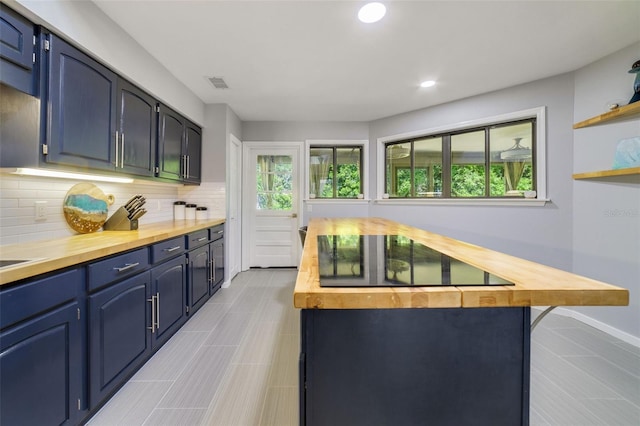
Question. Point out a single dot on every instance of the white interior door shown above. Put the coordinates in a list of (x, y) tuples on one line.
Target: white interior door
[(271, 204), (234, 223)]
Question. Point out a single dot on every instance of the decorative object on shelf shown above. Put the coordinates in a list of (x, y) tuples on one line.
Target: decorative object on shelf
[(624, 112), (627, 153), (635, 69), (85, 207)]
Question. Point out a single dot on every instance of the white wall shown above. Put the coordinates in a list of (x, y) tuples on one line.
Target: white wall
[(296, 131), (606, 214)]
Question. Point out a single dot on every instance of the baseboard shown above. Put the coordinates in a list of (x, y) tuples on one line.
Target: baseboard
[(619, 334)]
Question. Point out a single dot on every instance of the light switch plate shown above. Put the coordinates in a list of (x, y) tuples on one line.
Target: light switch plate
[(41, 210)]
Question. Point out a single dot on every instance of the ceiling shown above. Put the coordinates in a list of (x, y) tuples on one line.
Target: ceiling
[(312, 60)]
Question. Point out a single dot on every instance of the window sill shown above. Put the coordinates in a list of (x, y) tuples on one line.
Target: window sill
[(337, 200), (529, 202)]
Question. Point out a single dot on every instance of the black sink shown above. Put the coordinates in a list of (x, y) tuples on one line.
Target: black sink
[(4, 263)]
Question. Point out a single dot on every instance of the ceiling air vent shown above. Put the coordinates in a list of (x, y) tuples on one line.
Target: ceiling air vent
[(218, 82)]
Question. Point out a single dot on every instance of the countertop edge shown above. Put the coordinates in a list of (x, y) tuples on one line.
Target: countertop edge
[(60, 253)]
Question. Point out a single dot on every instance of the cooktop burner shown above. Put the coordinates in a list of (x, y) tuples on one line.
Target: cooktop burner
[(392, 261)]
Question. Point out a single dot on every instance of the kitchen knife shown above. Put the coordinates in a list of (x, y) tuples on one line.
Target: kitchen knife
[(138, 214), (136, 205), (129, 205)]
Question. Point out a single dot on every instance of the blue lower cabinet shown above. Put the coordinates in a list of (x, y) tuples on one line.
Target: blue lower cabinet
[(199, 277), (169, 299), (217, 256), (42, 363), (119, 337)]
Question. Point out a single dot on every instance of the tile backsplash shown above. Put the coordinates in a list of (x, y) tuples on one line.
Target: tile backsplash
[(18, 195)]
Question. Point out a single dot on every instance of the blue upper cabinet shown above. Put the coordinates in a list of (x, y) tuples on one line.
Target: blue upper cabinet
[(193, 151), (171, 161), (135, 146), (179, 147), (16, 51), (82, 109)]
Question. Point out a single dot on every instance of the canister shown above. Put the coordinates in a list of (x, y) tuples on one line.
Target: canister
[(190, 212), (201, 213), (178, 210)]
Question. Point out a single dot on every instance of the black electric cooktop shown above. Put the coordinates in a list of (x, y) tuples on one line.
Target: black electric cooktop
[(392, 261)]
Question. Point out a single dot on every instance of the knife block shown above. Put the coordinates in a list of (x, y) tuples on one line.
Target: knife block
[(119, 221)]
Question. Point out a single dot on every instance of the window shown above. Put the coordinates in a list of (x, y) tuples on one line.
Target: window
[(335, 170), (274, 183), (494, 159)]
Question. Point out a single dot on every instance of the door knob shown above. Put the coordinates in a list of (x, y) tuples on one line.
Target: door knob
[(294, 215)]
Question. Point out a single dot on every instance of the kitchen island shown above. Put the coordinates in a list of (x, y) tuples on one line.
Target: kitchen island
[(447, 354)]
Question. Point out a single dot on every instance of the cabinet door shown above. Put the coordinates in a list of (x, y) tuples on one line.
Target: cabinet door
[(193, 151), (169, 286), (82, 109), (41, 365), (199, 277), (171, 161), (16, 50), (217, 254), (119, 340), (136, 144)]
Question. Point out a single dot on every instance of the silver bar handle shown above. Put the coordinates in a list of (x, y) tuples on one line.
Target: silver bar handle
[(188, 166), (213, 269), (126, 266), (158, 311), (170, 249), (153, 314), (122, 152), (184, 166), (201, 239), (117, 154)]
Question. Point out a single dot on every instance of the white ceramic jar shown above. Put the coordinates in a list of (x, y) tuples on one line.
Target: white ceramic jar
[(202, 213), (190, 212), (179, 210)]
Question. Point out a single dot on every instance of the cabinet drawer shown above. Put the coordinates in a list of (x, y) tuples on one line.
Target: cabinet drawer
[(117, 267), (27, 300), (216, 232), (167, 249), (198, 238)]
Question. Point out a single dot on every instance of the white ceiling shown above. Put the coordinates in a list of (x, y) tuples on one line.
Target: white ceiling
[(312, 60)]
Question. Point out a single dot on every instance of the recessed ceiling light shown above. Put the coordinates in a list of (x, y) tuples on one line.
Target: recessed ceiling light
[(372, 12), (428, 83)]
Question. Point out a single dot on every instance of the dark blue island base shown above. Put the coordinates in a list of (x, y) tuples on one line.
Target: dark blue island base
[(415, 367)]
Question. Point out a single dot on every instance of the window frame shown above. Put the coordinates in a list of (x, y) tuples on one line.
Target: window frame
[(539, 161), (342, 143)]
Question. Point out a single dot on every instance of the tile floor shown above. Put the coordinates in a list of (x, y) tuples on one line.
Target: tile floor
[(235, 363)]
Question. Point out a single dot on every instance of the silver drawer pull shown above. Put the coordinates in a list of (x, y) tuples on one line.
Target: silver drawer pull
[(221, 232), (127, 266), (169, 250), (201, 239)]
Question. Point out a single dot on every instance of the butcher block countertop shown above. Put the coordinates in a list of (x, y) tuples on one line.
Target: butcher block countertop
[(49, 255), (535, 284)]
